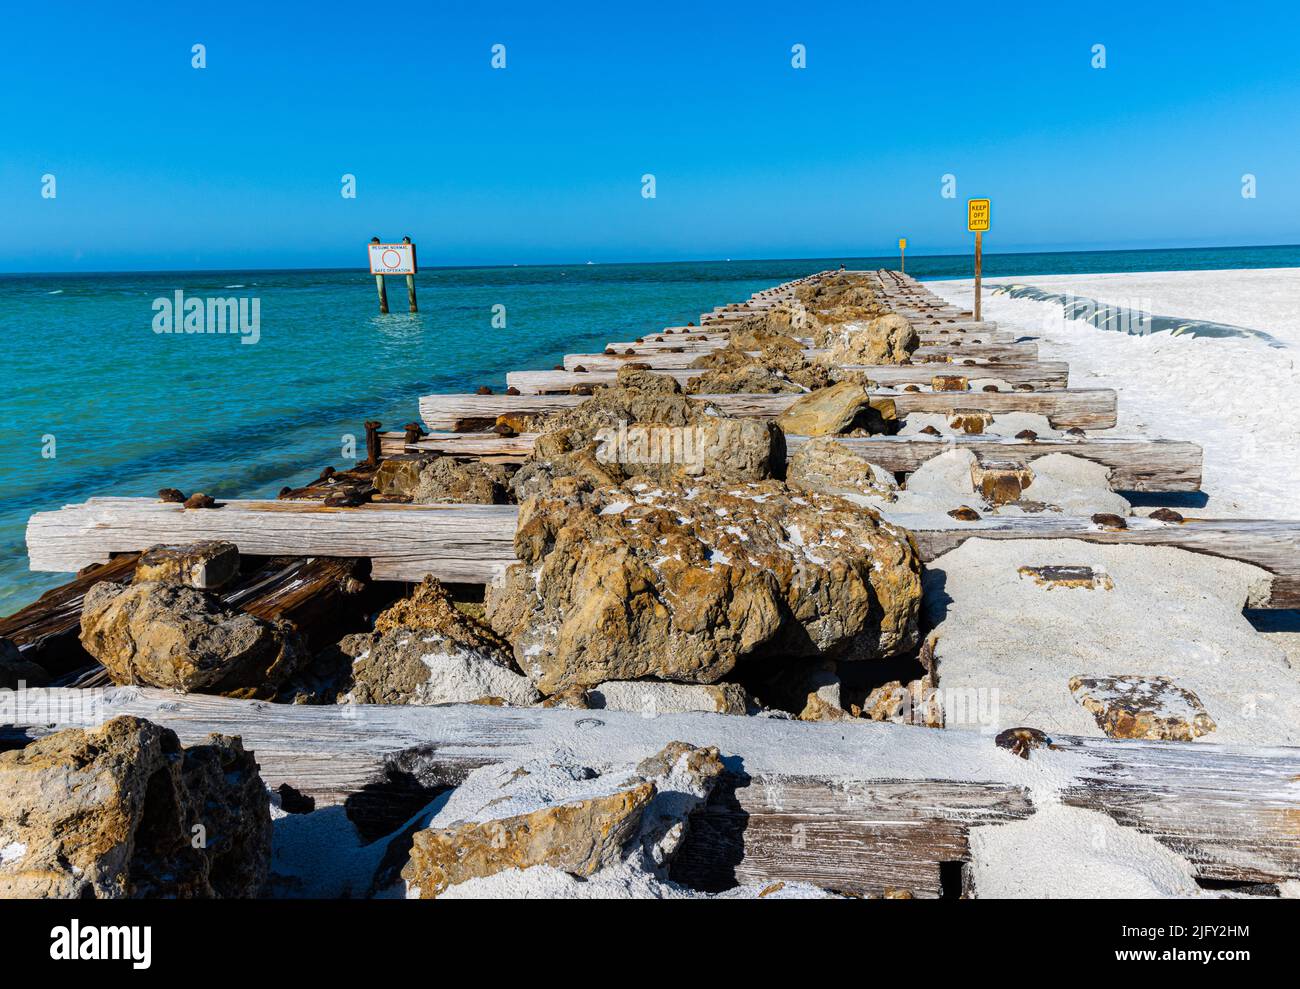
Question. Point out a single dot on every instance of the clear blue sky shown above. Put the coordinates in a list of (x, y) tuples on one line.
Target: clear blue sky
[(160, 165)]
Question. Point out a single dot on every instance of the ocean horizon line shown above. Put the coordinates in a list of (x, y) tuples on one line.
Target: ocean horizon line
[(835, 258)]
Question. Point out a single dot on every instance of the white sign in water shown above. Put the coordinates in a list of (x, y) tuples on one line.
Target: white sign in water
[(392, 259)]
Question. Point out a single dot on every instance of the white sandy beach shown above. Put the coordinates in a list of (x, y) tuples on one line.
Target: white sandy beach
[(1235, 396)]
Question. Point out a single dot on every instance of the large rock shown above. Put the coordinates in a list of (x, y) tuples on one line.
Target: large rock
[(682, 581), (838, 409), (783, 358), (425, 650), (652, 698), (889, 339), (125, 811), (1151, 707), (567, 446), (825, 465), (446, 480), (754, 378), (169, 635), (717, 447), (574, 819), (409, 666), (638, 396), (16, 671), (399, 476), (206, 565)]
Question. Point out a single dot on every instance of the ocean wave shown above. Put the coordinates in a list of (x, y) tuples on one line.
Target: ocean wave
[(57, 291), (1134, 322)]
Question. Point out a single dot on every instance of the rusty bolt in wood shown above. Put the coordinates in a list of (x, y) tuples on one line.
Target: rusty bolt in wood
[(1020, 741)]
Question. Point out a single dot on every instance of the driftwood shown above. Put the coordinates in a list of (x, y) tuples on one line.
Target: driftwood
[(472, 543), (856, 807), (1087, 408), (1043, 374)]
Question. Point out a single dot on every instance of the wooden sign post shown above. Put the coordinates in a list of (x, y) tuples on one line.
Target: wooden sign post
[(902, 262), (393, 259), (978, 212)]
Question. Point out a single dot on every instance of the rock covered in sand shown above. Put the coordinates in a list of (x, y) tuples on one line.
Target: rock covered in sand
[(825, 465), (652, 698), (424, 650), (575, 819), (888, 339)]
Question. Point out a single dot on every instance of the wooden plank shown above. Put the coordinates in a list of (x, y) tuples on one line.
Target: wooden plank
[(1273, 545), (471, 543), (1014, 353), (1044, 374), (883, 800), (1135, 464), (924, 322), (690, 339), (1087, 408), (459, 543)]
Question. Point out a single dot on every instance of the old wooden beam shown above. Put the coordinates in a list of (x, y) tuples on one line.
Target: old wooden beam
[(471, 543), (1043, 374), (855, 807), (1135, 464), (459, 543), (1087, 408), (659, 359)]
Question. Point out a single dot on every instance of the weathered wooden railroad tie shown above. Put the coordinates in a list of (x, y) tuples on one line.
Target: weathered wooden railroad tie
[(472, 543), (1229, 812), (1135, 464), (1085, 408), (1042, 374)]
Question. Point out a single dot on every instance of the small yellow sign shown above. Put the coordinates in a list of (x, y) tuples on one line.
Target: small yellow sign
[(977, 214), (902, 243)]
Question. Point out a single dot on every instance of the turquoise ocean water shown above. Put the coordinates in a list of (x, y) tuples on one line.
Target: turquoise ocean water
[(131, 410)]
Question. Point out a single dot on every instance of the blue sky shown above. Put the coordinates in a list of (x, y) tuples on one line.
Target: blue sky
[(239, 164)]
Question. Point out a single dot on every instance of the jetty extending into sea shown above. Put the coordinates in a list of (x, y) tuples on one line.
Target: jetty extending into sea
[(853, 805)]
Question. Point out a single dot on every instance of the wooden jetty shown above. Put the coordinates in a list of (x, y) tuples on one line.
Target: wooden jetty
[(887, 806)]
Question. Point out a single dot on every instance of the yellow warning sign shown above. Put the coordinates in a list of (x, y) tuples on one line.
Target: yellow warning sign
[(902, 243), (977, 214)]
